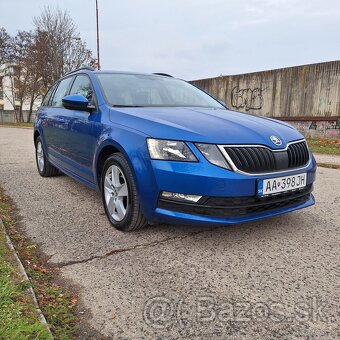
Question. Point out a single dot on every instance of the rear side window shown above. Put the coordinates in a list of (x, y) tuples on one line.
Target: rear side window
[(48, 95), (61, 92)]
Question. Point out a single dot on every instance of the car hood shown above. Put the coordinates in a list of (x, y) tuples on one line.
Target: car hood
[(218, 126)]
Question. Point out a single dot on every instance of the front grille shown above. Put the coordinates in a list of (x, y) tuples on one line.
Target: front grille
[(233, 207), (257, 159), (298, 154)]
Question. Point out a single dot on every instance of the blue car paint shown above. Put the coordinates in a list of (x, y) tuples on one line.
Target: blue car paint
[(216, 126), (127, 129)]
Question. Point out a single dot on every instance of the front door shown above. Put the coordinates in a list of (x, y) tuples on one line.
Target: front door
[(83, 130)]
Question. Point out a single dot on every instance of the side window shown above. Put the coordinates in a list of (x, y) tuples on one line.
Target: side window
[(48, 95), (82, 85), (61, 92)]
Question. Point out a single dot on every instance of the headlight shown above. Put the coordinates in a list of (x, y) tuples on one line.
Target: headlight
[(213, 155), (170, 150)]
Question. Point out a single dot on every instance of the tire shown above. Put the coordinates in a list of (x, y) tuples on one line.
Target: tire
[(120, 198), (45, 168)]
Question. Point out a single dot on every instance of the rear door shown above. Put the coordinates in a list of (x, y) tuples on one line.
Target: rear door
[(43, 114), (55, 125)]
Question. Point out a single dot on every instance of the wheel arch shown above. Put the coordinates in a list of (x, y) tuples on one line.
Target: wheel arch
[(101, 157), (135, 154), (36, 135), (107, 148)]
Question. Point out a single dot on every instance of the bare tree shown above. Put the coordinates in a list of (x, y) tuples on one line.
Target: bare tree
[(65, 50), (18, 72), (5, 41), (23, 73), (9, 89), (32, 61)]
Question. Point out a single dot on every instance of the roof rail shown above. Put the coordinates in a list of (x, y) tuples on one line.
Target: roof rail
[(162, 74), (88, 68)]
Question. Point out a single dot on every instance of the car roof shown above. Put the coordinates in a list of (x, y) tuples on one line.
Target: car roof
[(92, 70), (161, 74)]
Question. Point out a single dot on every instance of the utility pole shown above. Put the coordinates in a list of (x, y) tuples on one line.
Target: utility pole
[(97, 20)]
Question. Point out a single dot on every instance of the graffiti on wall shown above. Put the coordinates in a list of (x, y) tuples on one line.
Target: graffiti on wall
[(313, 125), (328, 129), (328, 125), (333, 125), (247, 98)]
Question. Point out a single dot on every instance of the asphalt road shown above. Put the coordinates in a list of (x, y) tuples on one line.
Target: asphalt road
[(277, 278)]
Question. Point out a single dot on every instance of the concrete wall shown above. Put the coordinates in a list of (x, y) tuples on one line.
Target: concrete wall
[(9, 116), (308, 90), (317, 127), (301, 93)]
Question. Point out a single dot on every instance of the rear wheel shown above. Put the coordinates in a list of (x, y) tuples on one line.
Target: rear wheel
[(119, 195), (45, 168)]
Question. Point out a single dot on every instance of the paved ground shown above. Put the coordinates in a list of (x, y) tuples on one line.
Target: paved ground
[(278, 278)]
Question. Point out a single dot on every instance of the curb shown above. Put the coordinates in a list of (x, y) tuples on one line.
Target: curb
[(328, 165), (41, 316)]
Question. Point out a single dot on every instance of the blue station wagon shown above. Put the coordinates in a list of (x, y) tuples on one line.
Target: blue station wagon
[(159, 149)]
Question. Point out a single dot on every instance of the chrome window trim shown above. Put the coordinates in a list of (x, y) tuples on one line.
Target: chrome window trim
[(235, 169)]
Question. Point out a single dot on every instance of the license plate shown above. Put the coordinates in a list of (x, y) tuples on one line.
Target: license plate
[(281, 184)]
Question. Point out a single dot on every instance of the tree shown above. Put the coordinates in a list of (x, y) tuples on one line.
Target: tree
[(23, 72), (34, 64), (32, 61), (64, 49), (5, 40), (18, 71)]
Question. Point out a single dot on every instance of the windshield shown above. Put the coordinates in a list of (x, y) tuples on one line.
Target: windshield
[(133, 90)]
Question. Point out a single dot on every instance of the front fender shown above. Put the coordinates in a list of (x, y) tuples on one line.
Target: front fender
[(133, 146)]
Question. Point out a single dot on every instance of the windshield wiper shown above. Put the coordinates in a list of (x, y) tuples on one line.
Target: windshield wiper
[(118, 105)]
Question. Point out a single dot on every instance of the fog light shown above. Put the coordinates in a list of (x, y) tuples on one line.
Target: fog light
[(180, 197)]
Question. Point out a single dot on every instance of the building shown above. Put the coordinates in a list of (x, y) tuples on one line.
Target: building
[(8, 100)]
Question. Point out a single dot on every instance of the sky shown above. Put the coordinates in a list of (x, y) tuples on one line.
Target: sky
[(195, 39)]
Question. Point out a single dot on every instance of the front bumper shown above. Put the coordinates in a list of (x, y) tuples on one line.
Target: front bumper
[(170, 216), (238, 207), (228, 197)]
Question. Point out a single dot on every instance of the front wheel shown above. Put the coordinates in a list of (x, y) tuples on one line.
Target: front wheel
[(120, 196)]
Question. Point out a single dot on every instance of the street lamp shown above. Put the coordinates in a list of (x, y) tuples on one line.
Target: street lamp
[(98, 58)]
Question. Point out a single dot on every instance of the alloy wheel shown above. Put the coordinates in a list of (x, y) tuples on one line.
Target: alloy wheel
[(40, 156), (116, 193)]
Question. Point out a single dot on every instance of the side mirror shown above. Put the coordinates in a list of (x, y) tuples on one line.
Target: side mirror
[(77, 102)]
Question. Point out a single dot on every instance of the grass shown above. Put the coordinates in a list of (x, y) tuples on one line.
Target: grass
[(17, 316), (326, 146), (16, 124)]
